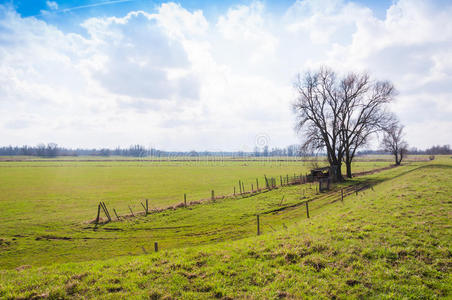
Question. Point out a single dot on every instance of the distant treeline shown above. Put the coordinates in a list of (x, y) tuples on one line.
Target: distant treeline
[(434, 150), (52, 150)]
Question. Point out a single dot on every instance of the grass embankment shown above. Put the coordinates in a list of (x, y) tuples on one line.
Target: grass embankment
[(45, 206), (392, 242)]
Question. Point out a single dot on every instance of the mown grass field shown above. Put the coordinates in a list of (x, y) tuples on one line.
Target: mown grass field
[(58, 190), (57, 199), (34, 193), (393, 240), (412, 201)]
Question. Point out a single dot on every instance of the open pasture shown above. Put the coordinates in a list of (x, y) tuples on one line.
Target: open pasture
[(35, 193), (387, 241), (54, 198)]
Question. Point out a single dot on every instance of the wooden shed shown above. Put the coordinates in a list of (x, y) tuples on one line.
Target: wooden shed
[(319, 173)]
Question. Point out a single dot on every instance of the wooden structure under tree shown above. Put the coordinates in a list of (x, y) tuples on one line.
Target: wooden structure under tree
[(319, 173)]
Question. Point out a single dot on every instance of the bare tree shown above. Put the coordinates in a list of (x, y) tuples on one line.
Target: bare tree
[(41, 150), (137, 151), (52, 150), (363, 112), (340, 116), (318, 108), (394, 143)]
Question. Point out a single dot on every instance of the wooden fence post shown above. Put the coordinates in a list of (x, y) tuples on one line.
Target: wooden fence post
[(240, 187), (342, 194), (131, 211), (252, 188), (109, 216), (257, 184), (103, 208), (280, 179), (116, 214), (258, 226), (156, 247), (307, 209), (213, 195), (147, 207), (185, 200), (287, 179), (98, 213), (243, 187), (106, 211), (145, 212)]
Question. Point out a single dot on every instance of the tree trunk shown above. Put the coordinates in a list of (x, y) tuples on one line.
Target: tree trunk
[(339, 176), (401, 156), (336, 172), (348, 164)]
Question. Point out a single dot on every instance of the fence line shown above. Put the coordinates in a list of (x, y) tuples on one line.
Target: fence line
[(270, 184)]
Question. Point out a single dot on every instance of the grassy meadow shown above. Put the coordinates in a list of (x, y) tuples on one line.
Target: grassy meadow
[(36, 193), (390, 240), (54, 198)]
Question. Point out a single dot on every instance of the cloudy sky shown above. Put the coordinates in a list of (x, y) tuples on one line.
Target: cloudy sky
[(204, 75)]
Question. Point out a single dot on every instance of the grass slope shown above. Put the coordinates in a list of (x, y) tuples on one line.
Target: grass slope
[(45, 206), (392, 242)]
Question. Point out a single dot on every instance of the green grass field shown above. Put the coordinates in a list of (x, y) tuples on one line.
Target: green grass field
[(38, 192), (389, 241), (58, 198)]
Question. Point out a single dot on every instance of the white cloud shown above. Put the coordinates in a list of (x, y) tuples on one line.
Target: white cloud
[(174, 80), (325, 22), (245, 32), (411, 47), (140, 60), (52, 5)]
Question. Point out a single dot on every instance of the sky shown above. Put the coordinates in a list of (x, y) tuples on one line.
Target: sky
[(207, 75)]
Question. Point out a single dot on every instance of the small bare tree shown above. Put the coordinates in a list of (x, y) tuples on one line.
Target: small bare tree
[(394, 143)]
